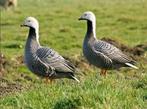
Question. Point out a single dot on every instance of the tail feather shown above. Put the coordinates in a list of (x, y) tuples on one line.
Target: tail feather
[(131, 65), (73, 77)]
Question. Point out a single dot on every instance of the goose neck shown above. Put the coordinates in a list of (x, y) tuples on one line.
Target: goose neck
[(91, 26), (34, 35)]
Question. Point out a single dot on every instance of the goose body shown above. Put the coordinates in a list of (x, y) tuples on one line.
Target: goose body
[(44, 61), (100, 53)]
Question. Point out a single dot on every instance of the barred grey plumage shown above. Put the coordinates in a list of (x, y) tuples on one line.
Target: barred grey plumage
[(45, 61), (101, 53)]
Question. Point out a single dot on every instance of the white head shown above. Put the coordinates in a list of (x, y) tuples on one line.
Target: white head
[(31, 22), (89, 16)]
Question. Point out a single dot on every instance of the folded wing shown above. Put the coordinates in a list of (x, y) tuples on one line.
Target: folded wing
[(52, 59)]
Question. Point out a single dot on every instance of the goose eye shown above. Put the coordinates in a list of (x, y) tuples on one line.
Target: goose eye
[(85, 15), (29, 21)]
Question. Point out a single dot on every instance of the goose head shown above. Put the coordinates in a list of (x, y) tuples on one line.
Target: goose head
[(31, 22), (89, 16)]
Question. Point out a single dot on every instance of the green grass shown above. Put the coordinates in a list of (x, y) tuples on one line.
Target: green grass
[(125, 21)]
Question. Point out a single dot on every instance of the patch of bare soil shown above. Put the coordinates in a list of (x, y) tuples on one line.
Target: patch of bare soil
[(19, 60), (6, 87), (3, 64), (6, 66)]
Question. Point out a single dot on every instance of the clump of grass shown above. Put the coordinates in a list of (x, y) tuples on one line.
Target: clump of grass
[(67, 104)]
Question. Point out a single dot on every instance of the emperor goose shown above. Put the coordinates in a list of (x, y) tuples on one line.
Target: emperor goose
[(44, 61), (100, 53)]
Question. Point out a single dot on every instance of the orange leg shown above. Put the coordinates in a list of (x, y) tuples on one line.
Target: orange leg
[(51, 80), (103, 72), (48, 80)]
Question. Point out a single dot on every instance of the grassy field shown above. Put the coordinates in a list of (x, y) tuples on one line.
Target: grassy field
[(121, 20)]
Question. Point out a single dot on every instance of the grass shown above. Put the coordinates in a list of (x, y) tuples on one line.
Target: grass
[(125, 21)]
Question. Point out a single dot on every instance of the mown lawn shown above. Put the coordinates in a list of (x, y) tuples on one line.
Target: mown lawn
[(121, 20)]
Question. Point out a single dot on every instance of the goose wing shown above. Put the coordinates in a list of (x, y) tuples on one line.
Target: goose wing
[(52, 59), (111, 52)]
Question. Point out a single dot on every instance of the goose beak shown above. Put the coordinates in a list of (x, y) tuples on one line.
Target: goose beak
[(80, 18), (21, 25)]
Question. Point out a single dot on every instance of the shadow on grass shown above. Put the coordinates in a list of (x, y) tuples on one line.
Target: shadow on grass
[(13, 46), (5, 24)]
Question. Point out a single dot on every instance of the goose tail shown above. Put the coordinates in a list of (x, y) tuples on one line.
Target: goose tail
[(131, 65)]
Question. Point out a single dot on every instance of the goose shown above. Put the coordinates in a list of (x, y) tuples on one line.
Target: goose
[(44, 61), (100, 53)]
